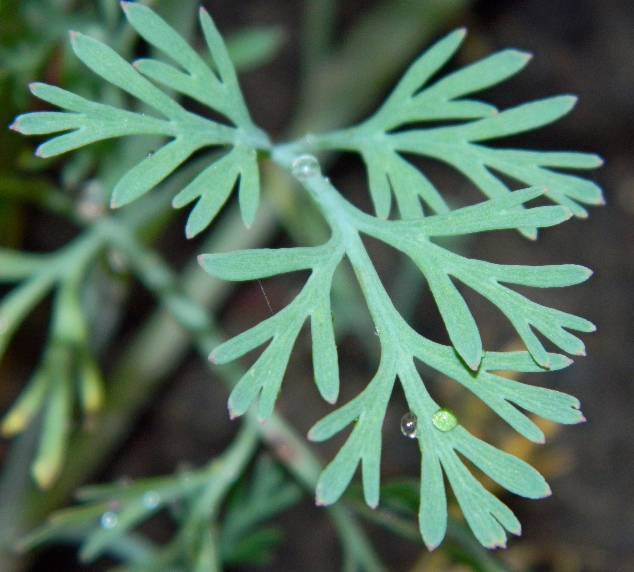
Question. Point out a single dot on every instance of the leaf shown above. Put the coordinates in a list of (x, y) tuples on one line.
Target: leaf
[(433, 501), (399, 127), (85, 121), (407, 123), (260, 263), (513, 474), (51, 450), (214, 185), (325, 364)]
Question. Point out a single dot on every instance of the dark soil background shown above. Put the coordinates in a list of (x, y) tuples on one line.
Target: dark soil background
[(585, 47)]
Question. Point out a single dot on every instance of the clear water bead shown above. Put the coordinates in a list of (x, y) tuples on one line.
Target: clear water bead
[(444, 420), (108, 520), (306, 166), (151, 500), (409, 423)]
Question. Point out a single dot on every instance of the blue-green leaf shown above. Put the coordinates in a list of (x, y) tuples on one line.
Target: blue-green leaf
[(432, 515), (512, 473), (214, 185), (260, 263)]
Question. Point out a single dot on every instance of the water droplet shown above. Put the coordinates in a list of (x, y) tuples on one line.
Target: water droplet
[(444, 420), (108, 520), (306, 166), (151, 500), (150, 153), (409, 423)]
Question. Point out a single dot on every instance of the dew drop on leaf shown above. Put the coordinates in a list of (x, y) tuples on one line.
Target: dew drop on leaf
[(409, 423), (444, 420), (151, 500), (306, 166), (108, 520)]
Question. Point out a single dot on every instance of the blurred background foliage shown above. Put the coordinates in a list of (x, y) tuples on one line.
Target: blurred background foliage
[(311, 65)]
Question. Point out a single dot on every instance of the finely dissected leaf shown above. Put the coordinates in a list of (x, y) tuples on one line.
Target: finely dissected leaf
[(509, 471), (487, 516), (399, 127), (86, 121), (364, 444), (407, 123), (214, 185)]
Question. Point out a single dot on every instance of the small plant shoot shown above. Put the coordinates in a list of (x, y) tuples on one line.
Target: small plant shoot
[(427, 114)]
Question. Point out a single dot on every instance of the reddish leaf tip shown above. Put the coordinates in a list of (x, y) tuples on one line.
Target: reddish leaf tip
[(14, 126), (212, 358)]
